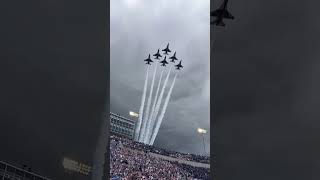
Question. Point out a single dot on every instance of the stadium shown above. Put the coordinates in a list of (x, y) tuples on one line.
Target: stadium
[(134, 160), (160, 71), (130, 159)]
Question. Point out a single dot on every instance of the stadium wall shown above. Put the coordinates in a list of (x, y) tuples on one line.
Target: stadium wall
[(191, 163)]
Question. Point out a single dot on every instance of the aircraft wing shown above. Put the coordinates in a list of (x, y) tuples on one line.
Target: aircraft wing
[(222, 13)]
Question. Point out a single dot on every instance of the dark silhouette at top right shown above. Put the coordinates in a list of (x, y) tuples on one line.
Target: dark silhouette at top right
[(221, 13)]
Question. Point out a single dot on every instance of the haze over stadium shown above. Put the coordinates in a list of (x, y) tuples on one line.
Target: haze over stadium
[(139, 28)]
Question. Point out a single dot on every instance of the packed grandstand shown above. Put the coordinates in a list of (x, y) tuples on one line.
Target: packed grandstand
[(134, 160)]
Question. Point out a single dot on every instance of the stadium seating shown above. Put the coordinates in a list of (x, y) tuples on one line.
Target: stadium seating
[(132, 160)]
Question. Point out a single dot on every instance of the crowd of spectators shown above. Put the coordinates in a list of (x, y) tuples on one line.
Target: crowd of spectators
[(129, 160), (153, 149)]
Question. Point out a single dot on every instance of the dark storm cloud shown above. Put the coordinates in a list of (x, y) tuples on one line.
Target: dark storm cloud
[(265, 91), (140, 27)]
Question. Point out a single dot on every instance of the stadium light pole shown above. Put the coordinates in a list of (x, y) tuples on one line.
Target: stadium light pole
[(203, 132), (136, 115), (133, 114)]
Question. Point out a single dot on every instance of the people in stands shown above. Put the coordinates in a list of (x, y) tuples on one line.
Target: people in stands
[(147, 148), (130, 160)]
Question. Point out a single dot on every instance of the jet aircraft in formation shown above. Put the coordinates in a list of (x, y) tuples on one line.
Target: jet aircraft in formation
[(164, 61), (166, 50), (173, 58), (148, 60), (157, 55), (221, 13), (178, 66)]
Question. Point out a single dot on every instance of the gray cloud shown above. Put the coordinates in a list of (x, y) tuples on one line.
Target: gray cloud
[(140, 27)]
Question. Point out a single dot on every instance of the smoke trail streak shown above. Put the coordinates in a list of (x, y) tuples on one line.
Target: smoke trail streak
[(147, 135), (156, 129), (159, 103), (142, 106), (146, 117)]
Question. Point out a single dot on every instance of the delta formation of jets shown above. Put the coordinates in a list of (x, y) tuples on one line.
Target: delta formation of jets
[(164, 62)]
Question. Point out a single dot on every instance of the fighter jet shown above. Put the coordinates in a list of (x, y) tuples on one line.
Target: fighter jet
[(164, 62), (178, 66), (221, 13), (148, 60), (157, 55), (166, 50), (173, 58)]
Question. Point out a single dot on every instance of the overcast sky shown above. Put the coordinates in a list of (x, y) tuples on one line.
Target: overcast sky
[(140, 27)]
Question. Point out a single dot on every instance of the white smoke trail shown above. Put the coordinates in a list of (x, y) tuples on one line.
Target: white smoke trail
[(159, 103), (146, 117), (156, 129), (137, 133), (147, 135)]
